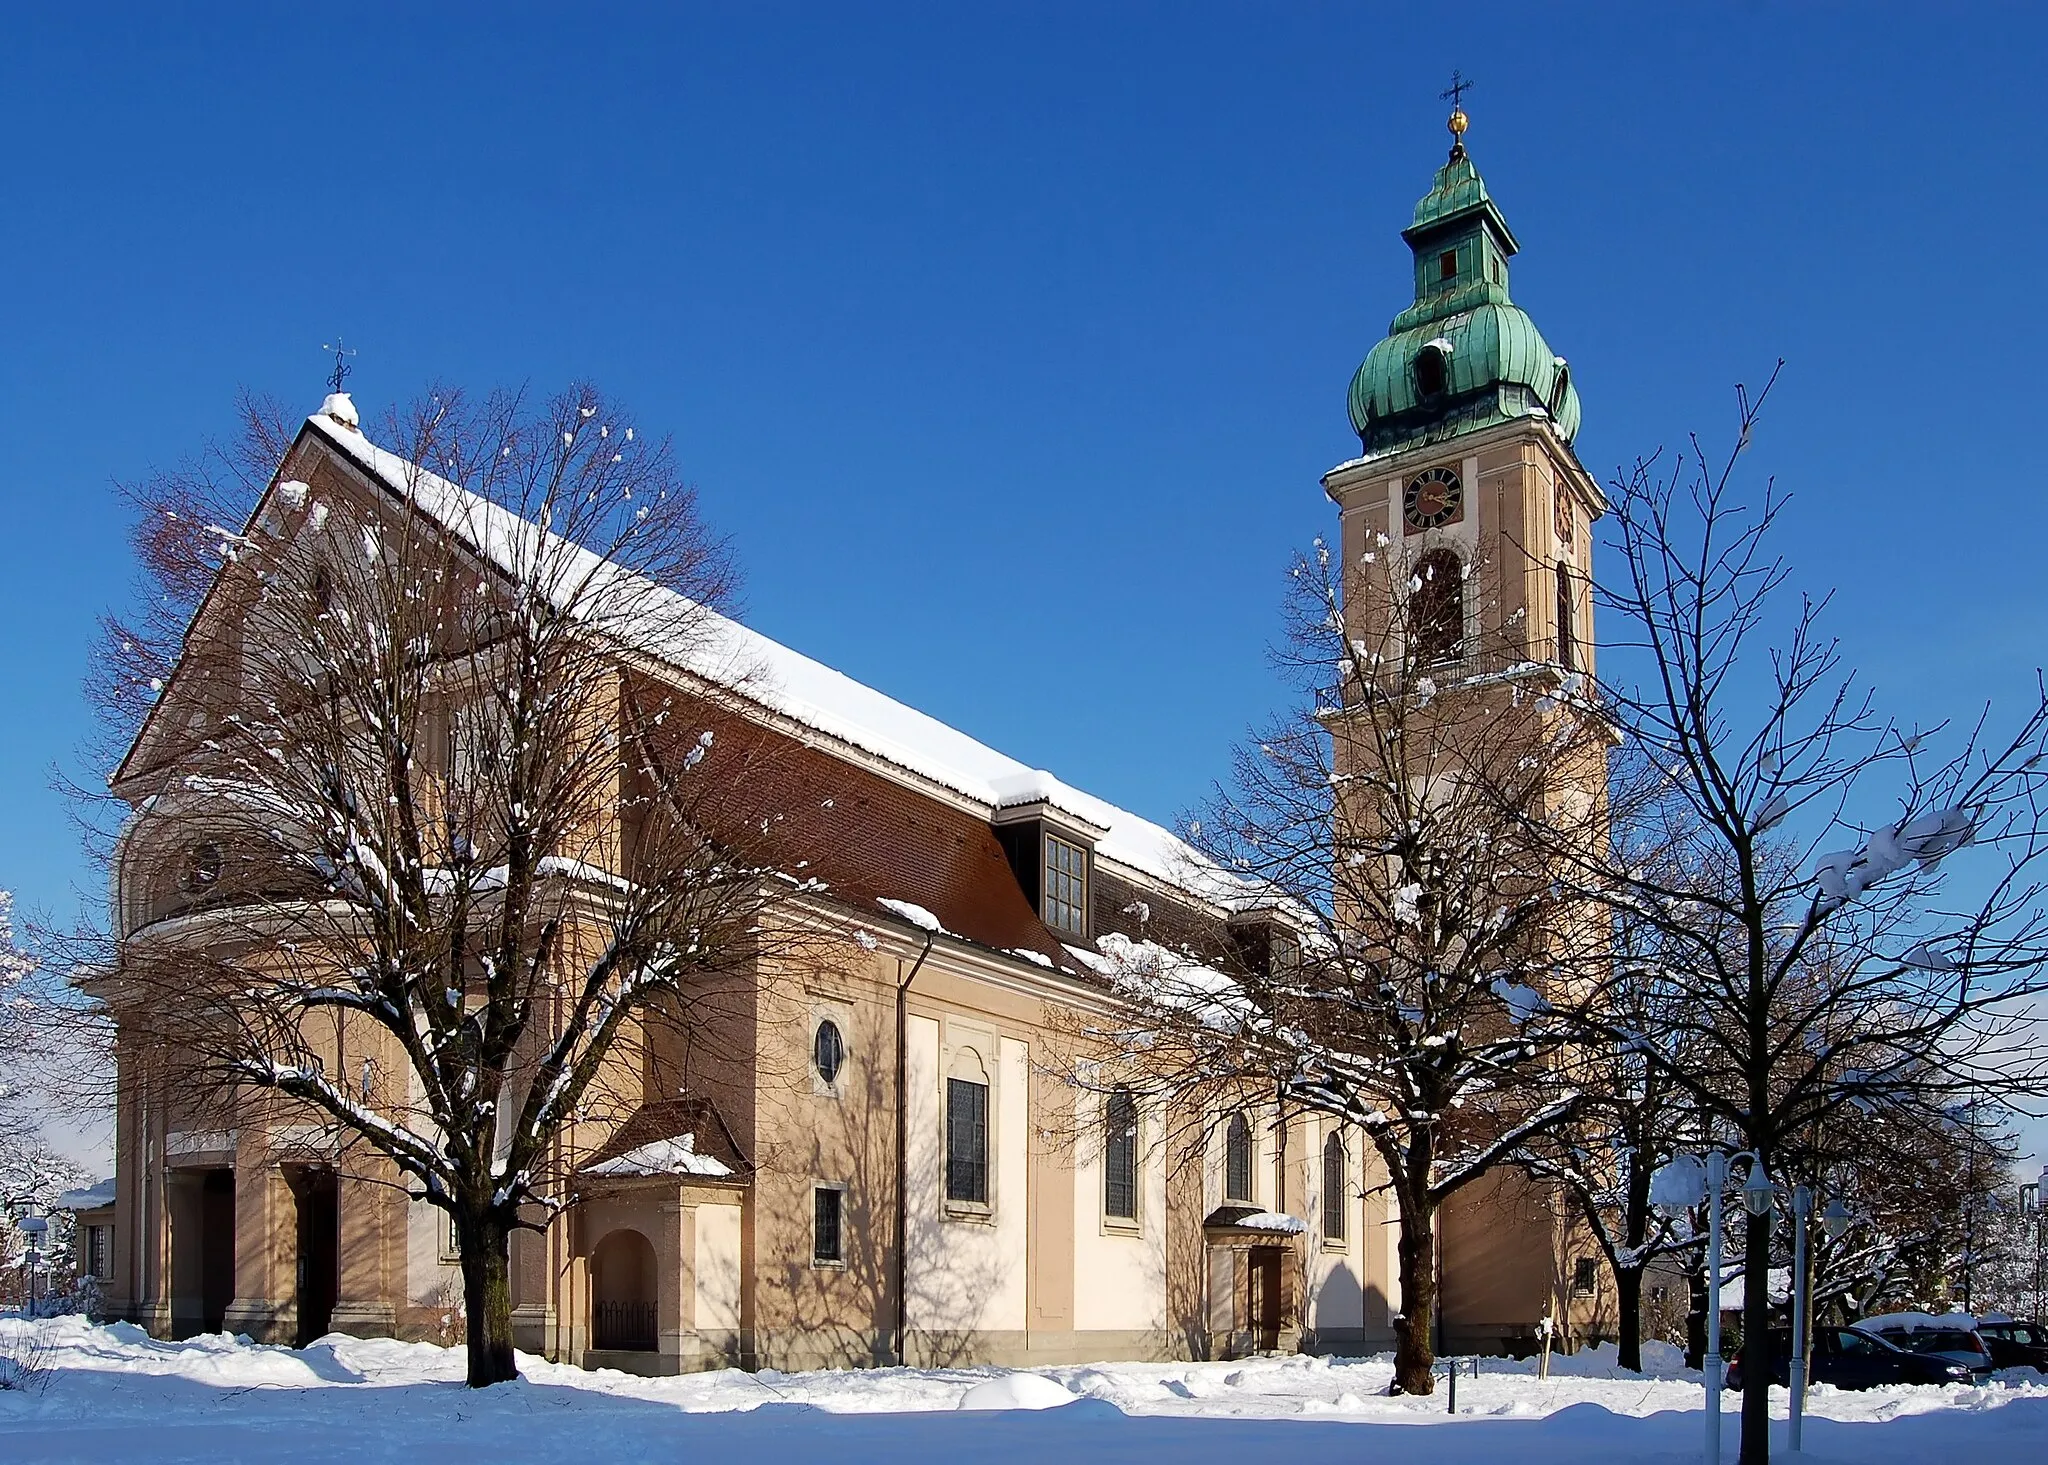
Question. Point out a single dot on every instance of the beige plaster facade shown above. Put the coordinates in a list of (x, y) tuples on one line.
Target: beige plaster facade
[(250, 1217)]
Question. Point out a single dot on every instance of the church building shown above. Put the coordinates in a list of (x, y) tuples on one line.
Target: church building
[(881, 1163)]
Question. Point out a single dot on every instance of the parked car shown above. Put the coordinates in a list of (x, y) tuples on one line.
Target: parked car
[(1849, 1358), (1952, 1336), (2015, 1342)]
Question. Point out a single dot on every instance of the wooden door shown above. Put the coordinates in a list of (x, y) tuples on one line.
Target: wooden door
[(1263, 1271)]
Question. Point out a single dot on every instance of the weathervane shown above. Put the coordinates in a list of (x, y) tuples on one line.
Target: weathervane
[(341, 366), (1455, 95)]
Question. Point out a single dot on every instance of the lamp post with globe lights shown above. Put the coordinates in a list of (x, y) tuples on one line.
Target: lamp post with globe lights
[(1682, 1184), (34, 1233), (2034, 1206)]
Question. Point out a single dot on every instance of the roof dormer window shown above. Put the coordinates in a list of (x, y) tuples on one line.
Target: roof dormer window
[(1268, 946), (1052, 851), (1065, 903)]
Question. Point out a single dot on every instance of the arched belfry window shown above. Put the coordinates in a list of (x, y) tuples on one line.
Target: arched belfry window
[(1436, 607), (1567, 639), (1432, 371), (1237, 1160), (1336, 1185)]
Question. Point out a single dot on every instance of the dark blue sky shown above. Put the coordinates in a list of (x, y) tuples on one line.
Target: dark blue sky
[(1009, 346)]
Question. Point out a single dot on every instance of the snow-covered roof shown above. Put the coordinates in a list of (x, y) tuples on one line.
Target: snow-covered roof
[(1170, 979), (89, 1198), (675, 1156), (916, 914), (1231, 1216), (808, 692)]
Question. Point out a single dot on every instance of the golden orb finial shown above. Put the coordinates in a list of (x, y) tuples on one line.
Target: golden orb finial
[(1455, 95)]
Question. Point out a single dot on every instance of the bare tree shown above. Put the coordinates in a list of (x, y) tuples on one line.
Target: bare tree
[(32, 1175), (1787, 842), (1414, 935), (17, 1009), (1632, 1120), (178, 546), (1927, 1189), (449, 856)]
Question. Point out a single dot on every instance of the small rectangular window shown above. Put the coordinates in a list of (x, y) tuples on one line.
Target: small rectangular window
[(1066, 886), (828, 1204), (1496, 272), (1447, 264), (967, 1141), (1585, 1277)]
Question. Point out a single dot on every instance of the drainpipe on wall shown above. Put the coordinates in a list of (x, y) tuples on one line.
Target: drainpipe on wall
[(902, 1336)]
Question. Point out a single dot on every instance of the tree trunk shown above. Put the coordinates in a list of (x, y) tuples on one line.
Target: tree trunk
[(487, 1297), (1628, 1303), (1414, 1358), (1758, 1364), (1697, 1301)]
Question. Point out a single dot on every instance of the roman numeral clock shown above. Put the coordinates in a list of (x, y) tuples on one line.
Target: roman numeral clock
[(1434, 498)]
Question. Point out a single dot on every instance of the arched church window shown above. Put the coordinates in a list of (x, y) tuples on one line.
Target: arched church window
[(1336, 1186), (1436, 607), (1120, 1157), (1237, 1159), (1567, 642)]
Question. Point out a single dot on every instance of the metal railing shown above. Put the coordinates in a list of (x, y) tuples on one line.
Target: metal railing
[(625, 1327)]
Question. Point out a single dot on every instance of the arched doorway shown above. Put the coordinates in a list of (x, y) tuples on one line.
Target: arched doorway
[(624, 1287)]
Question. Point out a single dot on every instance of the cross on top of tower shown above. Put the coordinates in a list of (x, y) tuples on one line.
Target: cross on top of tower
[(1455, 95), (341, 367)]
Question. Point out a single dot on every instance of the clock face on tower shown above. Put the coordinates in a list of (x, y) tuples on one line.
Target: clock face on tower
[(1434, 498), (1564, 516)]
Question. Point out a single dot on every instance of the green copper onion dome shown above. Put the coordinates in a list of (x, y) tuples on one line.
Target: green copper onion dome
[(1463, 355)]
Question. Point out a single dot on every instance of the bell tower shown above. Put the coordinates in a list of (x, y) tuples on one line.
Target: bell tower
[(1465, 531), (1467, 480)]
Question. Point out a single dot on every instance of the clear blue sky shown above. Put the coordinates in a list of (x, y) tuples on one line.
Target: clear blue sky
[(1009, 342)]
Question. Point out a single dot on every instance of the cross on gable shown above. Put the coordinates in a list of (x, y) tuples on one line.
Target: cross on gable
[(341, 366)]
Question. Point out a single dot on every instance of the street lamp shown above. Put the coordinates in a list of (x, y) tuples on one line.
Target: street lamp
[(1836, 1219), (1680, 1185), (33, 1229), (1758, 1194), (2034, 1203), (1802, 1208)]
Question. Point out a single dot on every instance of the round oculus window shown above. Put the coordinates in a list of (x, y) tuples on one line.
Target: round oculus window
[(201, 868), (1433, 498), (828, 1051)]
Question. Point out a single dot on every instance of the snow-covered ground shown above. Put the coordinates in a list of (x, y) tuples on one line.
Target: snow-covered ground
[(113, 1394)]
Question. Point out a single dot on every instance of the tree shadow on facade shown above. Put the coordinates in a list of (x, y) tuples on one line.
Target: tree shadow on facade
[(817, 1311)]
